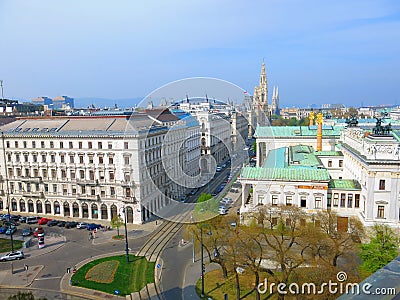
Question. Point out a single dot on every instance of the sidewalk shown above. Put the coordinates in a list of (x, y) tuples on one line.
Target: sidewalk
[(14, 277)]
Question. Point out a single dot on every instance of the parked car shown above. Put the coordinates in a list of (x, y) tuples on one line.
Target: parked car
[(27, 232), (219, 169), (22, 220), (3, 229), (61, 224), (11, 230), (32, 220), (39, 232), (43, 221), (15, 218), (82, 225), (52, 223), (12, 256), (222, 211), (71, 224), (93, 226)]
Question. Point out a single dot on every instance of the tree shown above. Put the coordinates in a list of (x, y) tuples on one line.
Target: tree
[(381, 249), (116, 222), (24, 296), (333, 243)]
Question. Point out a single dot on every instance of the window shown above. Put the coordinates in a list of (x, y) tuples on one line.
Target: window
[(27, 173), (46, 188), (51, 144), (335, 200), (101, 161), (381, 212), (101, 175), (111, 173), (289, 200), (340, 163), (33, 144), (274, 221), (329, 199), (71, 159), (53, 173), (260, 199), (90, 145), (357, 201), (8, 157), (25, 145), (17, 157), (44, 172), (63, 174), (112, 191), (350, 200), (80, 145), (25, 157), (90, 159), (81, 159), (318, 202), (303, 201), (91, 175), (342, 200), (274, 199), (62, 157), (16, 144), (82, 174), (111, 160), (71, 145), (61, 145), (93, 191), (126, 159), (42, 144), (43, 157), (53, 158), (34, 158), (72, 174), (100, 145), (28, 187), (55, 188), (382, 185), (126, 145), (329, 164), (64, 189), (8, 144), (74, 190), (109, 145), (35, 172)]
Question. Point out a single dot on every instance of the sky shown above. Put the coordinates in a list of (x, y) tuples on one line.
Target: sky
[(316, 51)]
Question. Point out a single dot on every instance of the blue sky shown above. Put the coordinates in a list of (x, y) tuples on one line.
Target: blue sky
[(317, 51)]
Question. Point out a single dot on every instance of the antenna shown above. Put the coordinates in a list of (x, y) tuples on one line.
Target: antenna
[(2, 92)]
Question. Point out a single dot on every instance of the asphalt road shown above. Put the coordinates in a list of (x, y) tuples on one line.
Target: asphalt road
[(76, 249)]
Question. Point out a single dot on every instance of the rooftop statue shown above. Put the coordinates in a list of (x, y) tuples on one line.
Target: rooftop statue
[(379, 129)]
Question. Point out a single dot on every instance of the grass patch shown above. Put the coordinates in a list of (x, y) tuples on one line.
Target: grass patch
[(113, 273), (216, 286), (5, 245)]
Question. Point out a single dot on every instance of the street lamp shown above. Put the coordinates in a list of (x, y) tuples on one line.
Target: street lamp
[(126, 234), (202, 262)]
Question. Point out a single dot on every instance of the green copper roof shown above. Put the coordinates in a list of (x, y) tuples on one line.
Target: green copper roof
[(277, 158), (328, 153), (344, 184), (302, 155), (293, 131), (285, 174)]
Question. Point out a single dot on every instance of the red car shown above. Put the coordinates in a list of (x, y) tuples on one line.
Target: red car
[(39, 232), (43, 221)]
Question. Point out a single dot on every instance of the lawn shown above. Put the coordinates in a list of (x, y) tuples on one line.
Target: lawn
[(5, 245), (113, 273)]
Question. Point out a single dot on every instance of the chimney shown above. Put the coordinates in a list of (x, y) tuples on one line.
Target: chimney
[(319, 131), (311, 117)]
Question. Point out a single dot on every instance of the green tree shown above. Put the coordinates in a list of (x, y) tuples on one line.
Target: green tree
[(381, 249), (206, 207), (116, 222), (24, 296)]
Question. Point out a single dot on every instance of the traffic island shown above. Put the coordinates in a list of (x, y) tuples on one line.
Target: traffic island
[(114, 275)]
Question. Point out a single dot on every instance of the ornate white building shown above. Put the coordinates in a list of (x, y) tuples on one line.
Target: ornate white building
[(87, 167)]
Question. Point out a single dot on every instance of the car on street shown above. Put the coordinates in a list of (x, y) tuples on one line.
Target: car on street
[(82, 225), (3, 229), (27, 232), (43, 221), (222, 211), (11, 230), (12, 256), (219, 169)]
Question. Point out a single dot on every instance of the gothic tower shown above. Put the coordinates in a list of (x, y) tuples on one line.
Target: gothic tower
[(275, 101), (260, 99)]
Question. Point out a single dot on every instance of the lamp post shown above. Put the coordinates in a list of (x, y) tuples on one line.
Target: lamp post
[(202, 262), (126, 235)]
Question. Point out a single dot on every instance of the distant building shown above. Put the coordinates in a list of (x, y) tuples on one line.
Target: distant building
[(275, 101), (63, 102), (260, 101)]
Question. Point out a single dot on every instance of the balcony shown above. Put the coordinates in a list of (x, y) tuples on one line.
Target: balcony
[(88, 197), (129, 199), (33, 194), (35, 179), (88, 182)]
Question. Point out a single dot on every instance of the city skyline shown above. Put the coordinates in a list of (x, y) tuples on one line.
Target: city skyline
[(332, 53)]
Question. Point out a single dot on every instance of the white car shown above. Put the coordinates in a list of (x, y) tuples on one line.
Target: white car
[(222, 211), (12, 256)]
